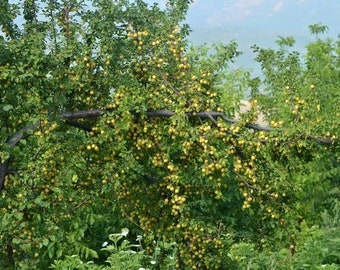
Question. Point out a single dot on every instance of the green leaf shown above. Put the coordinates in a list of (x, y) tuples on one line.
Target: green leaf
[(16, 241), (75, 178), (50, 249), (7, 107), (45, 241), (59, 253)]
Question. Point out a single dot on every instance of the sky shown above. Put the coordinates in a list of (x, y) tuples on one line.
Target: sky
[(259, 22)]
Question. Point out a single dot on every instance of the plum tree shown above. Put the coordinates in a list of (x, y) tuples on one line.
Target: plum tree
[(109, 119)]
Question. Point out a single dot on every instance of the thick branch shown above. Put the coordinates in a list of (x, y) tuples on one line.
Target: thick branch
[(82, 114), (13, 141), (17, 136), (78, 125), (3, 173), (160, 113), (206, 115)]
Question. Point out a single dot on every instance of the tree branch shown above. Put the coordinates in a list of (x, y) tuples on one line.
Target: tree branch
[(13, 141), (159, 113), (3, 173), (82, 114), (17, 136), (321, 140), (78, 125), (71, 117), (249, 185)]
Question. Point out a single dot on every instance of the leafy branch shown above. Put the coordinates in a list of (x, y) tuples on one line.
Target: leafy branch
[(72, 117)]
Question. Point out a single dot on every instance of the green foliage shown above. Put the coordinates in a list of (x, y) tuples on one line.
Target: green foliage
[(123, 255), (110, 120), (318, 28), (315, 248), (74, 262)]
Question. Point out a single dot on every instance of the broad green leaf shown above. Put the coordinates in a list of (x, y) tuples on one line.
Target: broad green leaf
[(7, 107)]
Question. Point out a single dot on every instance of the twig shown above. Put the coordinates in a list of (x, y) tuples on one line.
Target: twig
[(82, 203), (249, 185), (244, 181), (321, 140), (168, 83)]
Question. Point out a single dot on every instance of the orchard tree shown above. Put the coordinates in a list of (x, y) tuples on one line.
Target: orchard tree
[(109, 119)]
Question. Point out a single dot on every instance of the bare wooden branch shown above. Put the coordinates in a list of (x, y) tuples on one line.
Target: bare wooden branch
[(78, 125), (82, 114), (160, 113)]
